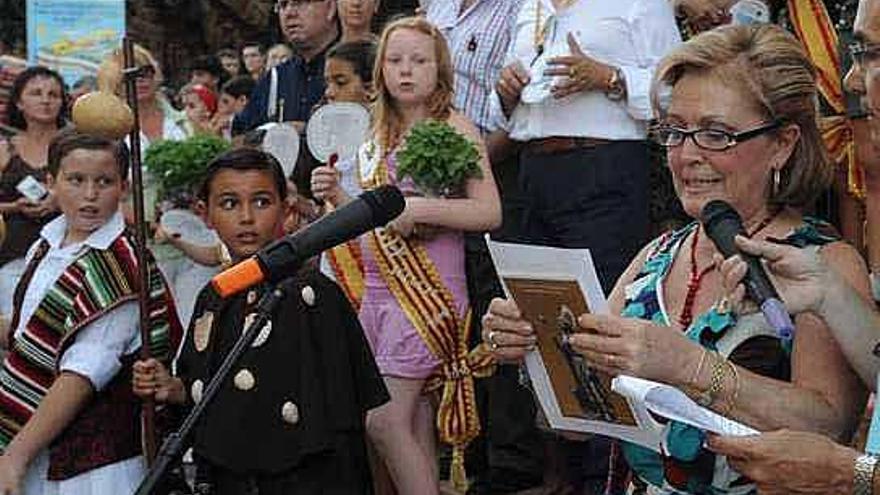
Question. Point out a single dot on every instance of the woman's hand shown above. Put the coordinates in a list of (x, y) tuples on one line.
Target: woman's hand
[(507, 334), (790, 462), (36, 210), (630, 346), (703, 15), (582, 73), (800, 275), (325, 184), (511, 83), (11, 475)]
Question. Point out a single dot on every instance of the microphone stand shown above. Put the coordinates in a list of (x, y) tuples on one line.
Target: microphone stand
[(173, 445)]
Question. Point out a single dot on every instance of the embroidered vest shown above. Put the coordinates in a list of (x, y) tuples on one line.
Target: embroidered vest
[(107, 430)]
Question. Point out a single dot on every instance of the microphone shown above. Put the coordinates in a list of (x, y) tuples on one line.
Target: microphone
[(283, 257), (722, 224)]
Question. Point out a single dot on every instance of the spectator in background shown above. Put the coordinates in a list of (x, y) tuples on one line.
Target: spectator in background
[(233, 99), (574, 95), (83, 85), (158, 119), (230, 62), (277, 55), (289, 92), (200, 105), (207, 71), (253, 55), (356, 18), (509, 455), (38, 108)]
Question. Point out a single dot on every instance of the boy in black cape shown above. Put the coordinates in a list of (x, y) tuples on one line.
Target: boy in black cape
[(290, 419)]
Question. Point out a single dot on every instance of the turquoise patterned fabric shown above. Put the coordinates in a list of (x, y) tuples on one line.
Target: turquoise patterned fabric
[(688, 468)]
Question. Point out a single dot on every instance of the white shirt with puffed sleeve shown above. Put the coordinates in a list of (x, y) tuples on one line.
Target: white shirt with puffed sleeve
[(632, 35), (95, 354)]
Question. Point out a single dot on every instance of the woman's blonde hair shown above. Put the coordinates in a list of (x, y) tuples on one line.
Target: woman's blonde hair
[(768, 64), (110, 72), (387, 121)]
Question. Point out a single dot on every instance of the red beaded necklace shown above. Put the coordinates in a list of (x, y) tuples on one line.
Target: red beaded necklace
[(686, 317)]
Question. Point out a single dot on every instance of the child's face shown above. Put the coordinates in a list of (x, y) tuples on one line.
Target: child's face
[(343, 84), (245, 209), (228, 104), (410, 67), (88, 188), (195, 108)]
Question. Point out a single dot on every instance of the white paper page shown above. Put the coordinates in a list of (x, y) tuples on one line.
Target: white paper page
[(672, 403)]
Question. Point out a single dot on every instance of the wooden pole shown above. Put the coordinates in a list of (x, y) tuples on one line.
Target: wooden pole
[(131, 73)]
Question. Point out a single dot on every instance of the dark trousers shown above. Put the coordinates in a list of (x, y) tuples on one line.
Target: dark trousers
[(595, 198), (508, 455)]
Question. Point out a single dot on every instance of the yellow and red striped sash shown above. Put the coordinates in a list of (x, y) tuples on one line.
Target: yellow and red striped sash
[(813, 27), (347, 264), (429, 305)]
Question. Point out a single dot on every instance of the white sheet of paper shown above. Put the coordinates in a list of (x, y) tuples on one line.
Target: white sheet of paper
[(672, 403)]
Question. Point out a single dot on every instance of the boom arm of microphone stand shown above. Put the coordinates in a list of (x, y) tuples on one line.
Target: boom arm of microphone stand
[(173, 445)]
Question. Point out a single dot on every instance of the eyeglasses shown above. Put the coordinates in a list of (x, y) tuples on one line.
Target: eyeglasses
[(863, 53), (146, 71), (709, 139), (293, 4)]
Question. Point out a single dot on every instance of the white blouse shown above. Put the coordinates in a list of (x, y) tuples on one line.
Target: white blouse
[(630, 34)]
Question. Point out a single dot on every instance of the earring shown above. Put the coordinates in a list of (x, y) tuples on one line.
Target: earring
[(777, 180)]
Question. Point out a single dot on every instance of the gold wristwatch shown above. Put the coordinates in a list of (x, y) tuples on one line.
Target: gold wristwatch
[(863, 475), (616, 85)]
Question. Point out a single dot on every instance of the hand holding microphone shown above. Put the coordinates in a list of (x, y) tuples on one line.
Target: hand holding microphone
[(722, 224), (282, 258)]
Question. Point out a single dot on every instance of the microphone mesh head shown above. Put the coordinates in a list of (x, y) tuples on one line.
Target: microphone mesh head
[(386, 203), (717, 210)]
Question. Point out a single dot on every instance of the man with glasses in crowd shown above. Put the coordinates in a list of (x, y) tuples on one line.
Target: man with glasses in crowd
[(288, 92), (793, 462)]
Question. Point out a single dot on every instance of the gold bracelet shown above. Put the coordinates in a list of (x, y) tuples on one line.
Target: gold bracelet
[(693, 380), (716, 382), (731, 403)]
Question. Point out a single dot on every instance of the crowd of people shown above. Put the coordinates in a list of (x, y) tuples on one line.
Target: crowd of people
[(568, 104)]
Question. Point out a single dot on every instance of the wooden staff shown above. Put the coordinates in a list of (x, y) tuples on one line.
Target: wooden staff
[(131, 73)]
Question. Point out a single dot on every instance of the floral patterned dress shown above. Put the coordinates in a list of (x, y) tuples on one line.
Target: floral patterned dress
[(686, 467)]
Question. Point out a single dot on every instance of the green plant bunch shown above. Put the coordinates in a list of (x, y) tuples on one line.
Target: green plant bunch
[(181, 165), (438, 159)]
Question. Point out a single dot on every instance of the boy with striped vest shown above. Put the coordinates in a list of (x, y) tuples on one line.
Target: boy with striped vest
[(69, 423)]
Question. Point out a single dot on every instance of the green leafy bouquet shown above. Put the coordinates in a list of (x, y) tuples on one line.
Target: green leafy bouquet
[(179, 166), (438, 159)]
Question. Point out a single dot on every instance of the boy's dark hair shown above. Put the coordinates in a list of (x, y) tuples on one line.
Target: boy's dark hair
[(226, 52), (210, 64), (260, 46), (239, 86), (244, 158), (14, 115), (69, 140), (360, 54)]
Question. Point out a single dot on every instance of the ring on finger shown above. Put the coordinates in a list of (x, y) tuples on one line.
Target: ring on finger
[(491, 338)]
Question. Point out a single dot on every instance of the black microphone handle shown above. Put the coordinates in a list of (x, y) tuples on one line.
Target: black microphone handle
[(722, 224), (370, 210)]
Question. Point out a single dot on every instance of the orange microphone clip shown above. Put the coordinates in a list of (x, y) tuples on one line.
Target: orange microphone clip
[(238, 278)]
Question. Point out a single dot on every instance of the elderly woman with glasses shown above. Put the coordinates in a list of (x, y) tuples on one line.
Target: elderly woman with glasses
[(738, 125)]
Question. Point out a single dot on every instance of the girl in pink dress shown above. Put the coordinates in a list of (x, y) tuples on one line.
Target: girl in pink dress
[(414, 309)]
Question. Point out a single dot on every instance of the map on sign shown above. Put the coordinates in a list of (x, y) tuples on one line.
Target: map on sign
[(73, 36)]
